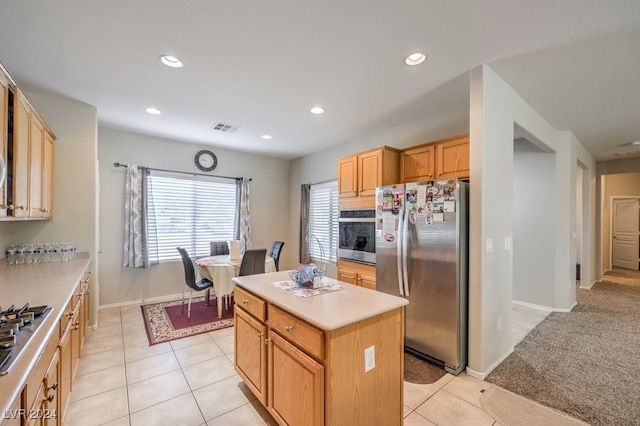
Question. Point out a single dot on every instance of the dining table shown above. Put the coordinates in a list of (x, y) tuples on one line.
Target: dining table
[(221, 270)]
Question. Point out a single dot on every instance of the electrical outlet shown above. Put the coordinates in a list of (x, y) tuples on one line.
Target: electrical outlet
[(507, 243), (489, 245), (369, 358), (499, 323)]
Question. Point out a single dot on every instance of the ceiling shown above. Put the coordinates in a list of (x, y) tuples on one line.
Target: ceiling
[(261, 65)]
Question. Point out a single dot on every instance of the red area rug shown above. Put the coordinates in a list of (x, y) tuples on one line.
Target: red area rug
[(165, 321)]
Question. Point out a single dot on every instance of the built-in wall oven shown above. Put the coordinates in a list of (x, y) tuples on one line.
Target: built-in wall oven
[(357, 238)]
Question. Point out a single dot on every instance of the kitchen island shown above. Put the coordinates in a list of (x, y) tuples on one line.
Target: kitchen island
[(330, 359), (37, 386)]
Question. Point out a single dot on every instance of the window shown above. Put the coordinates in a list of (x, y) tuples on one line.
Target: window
[(323, 221), (190, 213)]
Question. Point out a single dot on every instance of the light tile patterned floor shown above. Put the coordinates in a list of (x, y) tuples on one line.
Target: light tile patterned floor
[(121, 380)]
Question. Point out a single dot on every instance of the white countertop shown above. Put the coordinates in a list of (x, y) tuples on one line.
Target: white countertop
[(50, 284), (327, 311)]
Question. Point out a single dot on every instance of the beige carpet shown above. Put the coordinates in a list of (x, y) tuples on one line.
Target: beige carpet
[(510, 409), (622, 276), (584, 363)]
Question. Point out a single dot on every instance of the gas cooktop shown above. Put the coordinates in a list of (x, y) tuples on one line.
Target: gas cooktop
[(17, 326)]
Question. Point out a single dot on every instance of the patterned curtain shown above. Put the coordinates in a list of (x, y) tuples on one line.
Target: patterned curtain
[(136, 224), (304, 223), (245, 214)]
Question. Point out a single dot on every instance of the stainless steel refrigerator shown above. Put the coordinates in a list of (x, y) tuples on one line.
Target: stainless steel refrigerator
[(422, 254)]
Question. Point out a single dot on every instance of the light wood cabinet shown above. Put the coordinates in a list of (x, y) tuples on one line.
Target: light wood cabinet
[(315, 376), (40, 395), (357, 274), (4, 145), (284, 377), (44, 410), (73, 325), (13, 416), (445, 158), (359, 175), (27, 147)]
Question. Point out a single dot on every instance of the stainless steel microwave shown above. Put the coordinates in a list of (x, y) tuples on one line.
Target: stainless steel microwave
[(357, 238)]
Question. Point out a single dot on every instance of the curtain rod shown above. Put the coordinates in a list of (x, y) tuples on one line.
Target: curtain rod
[(117, 164)]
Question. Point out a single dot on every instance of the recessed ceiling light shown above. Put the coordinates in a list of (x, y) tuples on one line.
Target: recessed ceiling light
[(171, 61), (415, 59), (317, 110), (635, 143), (152, 110), (267, 137)]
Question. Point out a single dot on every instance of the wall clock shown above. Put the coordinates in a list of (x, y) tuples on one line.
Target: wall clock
[(206, 160)]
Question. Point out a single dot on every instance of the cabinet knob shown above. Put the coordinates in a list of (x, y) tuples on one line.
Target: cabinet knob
[(245, 301), (46, 211), (289, 328), (54, 386), (260, 335), (69, 314), (267, 341), (50, 398), (11, 207), (440, 174)]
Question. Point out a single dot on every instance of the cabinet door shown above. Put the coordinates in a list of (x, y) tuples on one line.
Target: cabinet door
[(4, 137), (20, 193), (36, 138), (296, 384), (348, 176), (64, 388), (47, 176), (347, 276), (250, 353), (368, 281), (418, 164), (369, 172), (452, 158), (13, 416)]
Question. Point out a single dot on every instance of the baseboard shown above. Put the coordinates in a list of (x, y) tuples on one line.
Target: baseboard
[(142, 301), (532, 306), (481, 375)]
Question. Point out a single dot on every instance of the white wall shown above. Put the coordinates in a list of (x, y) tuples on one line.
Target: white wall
[(534, 226), (495, 109), (269, 201), (74, 174)]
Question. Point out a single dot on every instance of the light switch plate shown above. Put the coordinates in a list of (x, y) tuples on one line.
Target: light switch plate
[(369, 358)]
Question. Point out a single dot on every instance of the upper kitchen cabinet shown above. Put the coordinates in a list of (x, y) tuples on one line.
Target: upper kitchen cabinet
[(360, 174), (445, 158), (4, 111), (27, 146)]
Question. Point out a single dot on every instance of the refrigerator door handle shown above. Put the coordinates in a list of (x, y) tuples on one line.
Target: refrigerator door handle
[(405, 269), (399, 255)]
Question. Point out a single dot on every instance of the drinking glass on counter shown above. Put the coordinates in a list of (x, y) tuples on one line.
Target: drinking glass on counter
[(19, 254)]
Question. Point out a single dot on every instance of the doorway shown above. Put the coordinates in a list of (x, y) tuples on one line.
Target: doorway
[(625, 233)]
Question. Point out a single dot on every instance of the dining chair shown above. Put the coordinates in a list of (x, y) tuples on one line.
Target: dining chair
[(219, 247), (253, 262), (276, 248), (190, 280)]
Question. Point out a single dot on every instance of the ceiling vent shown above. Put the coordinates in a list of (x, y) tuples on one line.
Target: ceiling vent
[(227, 128)]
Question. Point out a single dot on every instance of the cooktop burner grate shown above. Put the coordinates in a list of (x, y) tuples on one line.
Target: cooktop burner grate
[(17, 326)]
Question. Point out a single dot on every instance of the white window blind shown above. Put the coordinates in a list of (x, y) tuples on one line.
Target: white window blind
[(323, 221), (190, 213)]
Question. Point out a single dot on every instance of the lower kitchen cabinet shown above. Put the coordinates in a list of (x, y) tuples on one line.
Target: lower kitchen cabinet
[(357, 274), (296, 384), (251, 352), (73, 329), (305, 375)]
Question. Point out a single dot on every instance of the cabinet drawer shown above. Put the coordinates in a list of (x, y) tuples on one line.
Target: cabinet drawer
[(298, 332), (250, 303)]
